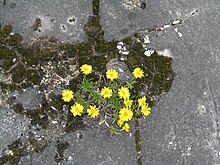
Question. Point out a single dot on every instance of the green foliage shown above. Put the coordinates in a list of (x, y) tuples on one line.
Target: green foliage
[(113, 130), (106, 101)]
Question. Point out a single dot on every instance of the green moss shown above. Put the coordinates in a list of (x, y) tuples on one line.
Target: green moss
[(18, 149), (15, 39), (132, 60), (4, 159), (30, 55), (99, 37), (138, 48), (33, 76), (95, 61), (6, 57), (8, 87), (95, 7), (18, 73), (68, 50), (83, 49), (6, 29), (57, 103), (93, 27), (37, 146), (47, 54), (74, 123), (38, 117), (18, 108), (158, 71), (128, 40), (103, 47), (61, 146)]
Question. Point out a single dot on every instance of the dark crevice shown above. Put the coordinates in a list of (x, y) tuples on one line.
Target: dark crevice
[(95, 7), (138, 142), (61, 146)]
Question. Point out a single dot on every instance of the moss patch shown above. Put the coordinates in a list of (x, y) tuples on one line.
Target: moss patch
[(158, 71), (18, 73), (33, 76), (6, 57)]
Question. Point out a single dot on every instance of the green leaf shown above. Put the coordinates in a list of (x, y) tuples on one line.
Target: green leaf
[(96, 98), (87, 85), (113, 130), (80, 99), (112, 84), (130, 85), (115, 102)]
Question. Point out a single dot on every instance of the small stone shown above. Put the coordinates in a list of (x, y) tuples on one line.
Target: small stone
[(125, 53), (70, 158), (146, 39), (14, 60), (166, 26), (180, 34), (176, 22), (119, 47), (54, 122), (123, 58), (148, 52), (79, 135)]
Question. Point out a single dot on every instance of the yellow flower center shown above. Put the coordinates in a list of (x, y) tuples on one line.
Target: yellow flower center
[(125, 114)]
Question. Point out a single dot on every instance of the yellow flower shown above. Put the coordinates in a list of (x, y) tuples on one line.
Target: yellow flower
[(67, 95), (112, 74), (124, 92), (142, 101), (120, 122), (128, 103), (86, 69), (125, 114), (77, 109), (106, 92), (93, 112), (138, 73), (145, 110), (126, 127)]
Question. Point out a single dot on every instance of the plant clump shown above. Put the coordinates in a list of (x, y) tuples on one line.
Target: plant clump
[(106, 100)]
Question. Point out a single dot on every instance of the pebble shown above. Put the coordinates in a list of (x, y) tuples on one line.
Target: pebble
[(125, 53), (149, 52), (146, 39), (176, 22)]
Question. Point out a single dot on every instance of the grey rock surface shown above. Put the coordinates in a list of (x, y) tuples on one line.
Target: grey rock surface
[(13, 127), (130, 18), (63, 19), (30, 98), (90, 146), (46, 157), (184, 126), (95, 146)]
